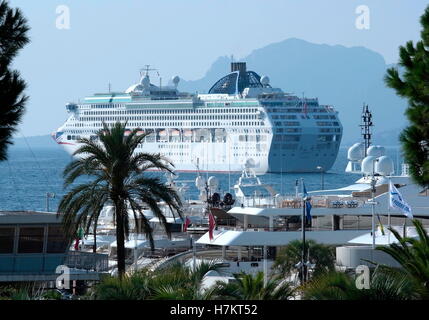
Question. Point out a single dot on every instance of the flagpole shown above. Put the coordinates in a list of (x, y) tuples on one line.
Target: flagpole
[(388, 211), (372, 203), (303, 278)]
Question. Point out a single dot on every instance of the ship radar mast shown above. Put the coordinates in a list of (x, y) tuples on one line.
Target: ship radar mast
[(146, 70), (366, 127)]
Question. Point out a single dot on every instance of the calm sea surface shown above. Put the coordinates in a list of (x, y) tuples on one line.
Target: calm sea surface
[(30, 174)]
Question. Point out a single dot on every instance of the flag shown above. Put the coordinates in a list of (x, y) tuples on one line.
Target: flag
[(396, 201), (212, 224), (304, 102), (307, 203), (308, 209), (79, 236), (187, 223), (76, 244)]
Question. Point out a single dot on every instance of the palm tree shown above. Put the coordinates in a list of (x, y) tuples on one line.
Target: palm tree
[(175, 282), (251, 287), (179, 282), (412, 85), (323, 256), (413, 256), (13, 37), (336, 285), (117, 175)]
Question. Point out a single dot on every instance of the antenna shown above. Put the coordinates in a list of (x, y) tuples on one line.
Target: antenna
[(110, 87), (146, 69), (366, 125)]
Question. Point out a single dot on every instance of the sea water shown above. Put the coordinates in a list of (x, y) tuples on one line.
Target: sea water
[(30, 174)]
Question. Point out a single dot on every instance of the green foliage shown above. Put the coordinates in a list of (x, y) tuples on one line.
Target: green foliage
[(117, 175), (51, 295), (13, 37), (251, 287), (323, 256), (413, 85), (413, 256), (175, 282), (410, 282), (27, 291), (336, 285), (13, 293)]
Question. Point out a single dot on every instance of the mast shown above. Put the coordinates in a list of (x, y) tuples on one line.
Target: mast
[(303, 265), (366, 127)]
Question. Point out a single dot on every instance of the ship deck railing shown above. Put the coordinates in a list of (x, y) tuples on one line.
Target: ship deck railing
[(325, 202), (46, 263)]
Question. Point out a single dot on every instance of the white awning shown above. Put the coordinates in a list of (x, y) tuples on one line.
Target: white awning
[(276, 238), (169, 220)]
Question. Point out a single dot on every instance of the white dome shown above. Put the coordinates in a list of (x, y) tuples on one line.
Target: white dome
[(367, 164), (200, 182), (134, 88), (356, 152), (376, 151), (384, 166), (265, 80), (145, 81), (213, 182), (175, 80)]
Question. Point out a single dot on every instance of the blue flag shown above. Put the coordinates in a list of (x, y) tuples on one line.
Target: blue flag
[(307, 203)]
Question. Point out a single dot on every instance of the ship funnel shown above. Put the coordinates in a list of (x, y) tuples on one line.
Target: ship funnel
[(238, 66)]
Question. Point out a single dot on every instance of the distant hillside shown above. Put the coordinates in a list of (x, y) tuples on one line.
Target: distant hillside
[(339, 76), (36, 141), (389, 138)]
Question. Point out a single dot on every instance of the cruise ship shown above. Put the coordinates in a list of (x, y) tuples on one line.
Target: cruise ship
[(241, 122)]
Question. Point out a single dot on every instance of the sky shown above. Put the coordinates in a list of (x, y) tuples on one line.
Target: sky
[(108, 41)]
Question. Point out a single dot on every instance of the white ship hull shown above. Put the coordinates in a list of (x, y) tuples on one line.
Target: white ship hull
[(242, 121)]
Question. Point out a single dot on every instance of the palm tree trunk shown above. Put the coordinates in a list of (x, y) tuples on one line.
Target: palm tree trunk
[(120, 238), (95, 238)]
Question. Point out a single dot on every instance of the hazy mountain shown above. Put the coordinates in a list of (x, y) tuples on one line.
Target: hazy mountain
[(337, 75)]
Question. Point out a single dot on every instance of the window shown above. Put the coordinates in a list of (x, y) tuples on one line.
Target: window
[(57, 242), (31, 240), (6, 239)]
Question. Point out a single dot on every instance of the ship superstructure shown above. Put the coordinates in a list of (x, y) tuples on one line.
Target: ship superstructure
[(241, 121)]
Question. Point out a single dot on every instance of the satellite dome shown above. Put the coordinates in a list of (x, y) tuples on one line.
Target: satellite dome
[(213, 182), (265, 80), (145, 81), (376, 151), (134, 88), (175, 80), (384, 166), (368, 163), (356, 152), (200, 182)]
